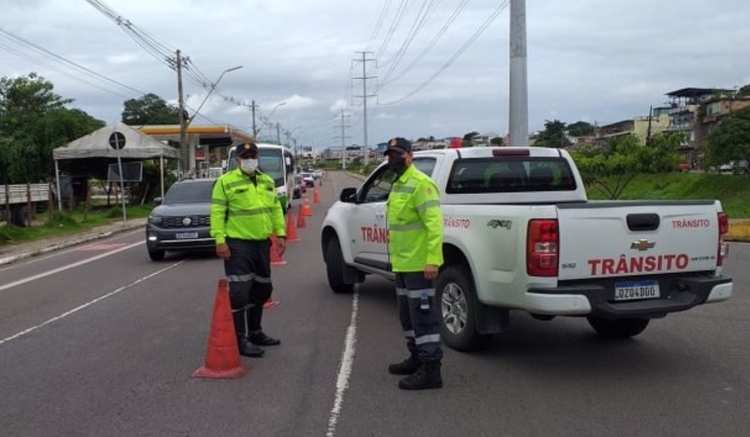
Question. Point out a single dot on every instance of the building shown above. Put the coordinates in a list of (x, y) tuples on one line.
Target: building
[(659, 121), (696, 111)]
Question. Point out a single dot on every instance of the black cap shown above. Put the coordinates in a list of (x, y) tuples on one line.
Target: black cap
[(398, 144), (248, 150)]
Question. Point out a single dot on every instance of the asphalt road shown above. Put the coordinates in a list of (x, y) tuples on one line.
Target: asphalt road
[(98, 340)]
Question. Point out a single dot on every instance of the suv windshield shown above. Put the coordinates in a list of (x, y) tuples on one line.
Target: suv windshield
[(189, 192)]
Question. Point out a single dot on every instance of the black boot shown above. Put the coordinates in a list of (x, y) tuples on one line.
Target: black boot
[(427, 376), (261, 339), (248, 349), (406, 367)]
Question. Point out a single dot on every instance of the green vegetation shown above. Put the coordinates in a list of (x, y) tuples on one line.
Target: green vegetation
[(56, 224), (733, 191)]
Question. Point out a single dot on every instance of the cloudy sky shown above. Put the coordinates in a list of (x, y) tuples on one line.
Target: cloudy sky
[(594, 60)]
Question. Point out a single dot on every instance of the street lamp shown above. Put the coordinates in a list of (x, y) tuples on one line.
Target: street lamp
[(213, 87), (269, 116)]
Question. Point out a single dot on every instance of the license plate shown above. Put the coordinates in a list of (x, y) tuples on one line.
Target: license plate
[(636, 290), (186, 235)]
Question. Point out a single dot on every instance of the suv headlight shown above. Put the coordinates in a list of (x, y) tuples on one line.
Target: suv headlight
[(154, 220)]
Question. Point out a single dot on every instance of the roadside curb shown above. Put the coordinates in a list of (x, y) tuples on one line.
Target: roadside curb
[(30, 254)]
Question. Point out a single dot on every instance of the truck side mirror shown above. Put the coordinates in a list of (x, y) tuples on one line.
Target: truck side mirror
[(158, 200), (348, 195)]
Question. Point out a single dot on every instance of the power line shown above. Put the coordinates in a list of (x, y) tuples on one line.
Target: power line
[(430, 45), (460, 51), (396, 20), (379, 24)]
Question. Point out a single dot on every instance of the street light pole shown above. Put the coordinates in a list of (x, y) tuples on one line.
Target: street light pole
[(213, 87), (269, 116)]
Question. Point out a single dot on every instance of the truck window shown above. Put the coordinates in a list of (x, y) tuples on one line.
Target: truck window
[(510, 174)]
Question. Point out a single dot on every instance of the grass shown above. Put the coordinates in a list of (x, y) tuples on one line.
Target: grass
[(56, 224), (733, 191)]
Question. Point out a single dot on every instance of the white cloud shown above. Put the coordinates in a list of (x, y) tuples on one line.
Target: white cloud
[(594, 60)]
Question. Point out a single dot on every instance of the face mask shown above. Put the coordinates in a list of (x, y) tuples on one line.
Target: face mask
[(397, 164), (249, 165)]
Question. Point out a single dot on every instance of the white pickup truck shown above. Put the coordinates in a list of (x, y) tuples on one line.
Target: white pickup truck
[(520, 234)]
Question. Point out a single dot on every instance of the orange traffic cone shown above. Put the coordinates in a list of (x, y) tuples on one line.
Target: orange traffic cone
[(306, 210), (275, 257), (300, 219), (316, 195), (223, 355), (291, 230)]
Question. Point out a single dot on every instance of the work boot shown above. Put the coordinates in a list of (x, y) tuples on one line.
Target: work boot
[(261, 339), (427, 376), (406, 367), (248, 349)]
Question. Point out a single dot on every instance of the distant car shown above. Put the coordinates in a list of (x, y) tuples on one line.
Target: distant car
[(182, 220), (317, 174), (308, 178), (300, 184)]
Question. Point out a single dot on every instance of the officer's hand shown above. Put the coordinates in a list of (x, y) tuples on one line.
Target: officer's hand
[(222, 251), (281, 245), (430, 271)]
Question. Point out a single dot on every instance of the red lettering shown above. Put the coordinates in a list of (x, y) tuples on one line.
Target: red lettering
[(682, 261), (636, 264), (639, 264), (594, 263), (383, 235), (364, 233)]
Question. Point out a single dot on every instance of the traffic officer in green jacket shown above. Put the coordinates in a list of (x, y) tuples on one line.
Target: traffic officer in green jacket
[(415, 232), (245, 211)]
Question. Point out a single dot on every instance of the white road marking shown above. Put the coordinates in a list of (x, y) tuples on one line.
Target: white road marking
[(69, 266), (103, 246), (87, 304), (345, 370), (62, 252)]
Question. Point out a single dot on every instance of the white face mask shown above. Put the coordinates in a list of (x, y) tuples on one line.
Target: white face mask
[(249, 165)]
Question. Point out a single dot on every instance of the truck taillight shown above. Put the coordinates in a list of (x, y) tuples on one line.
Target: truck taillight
[(542, 246), (723, 250)]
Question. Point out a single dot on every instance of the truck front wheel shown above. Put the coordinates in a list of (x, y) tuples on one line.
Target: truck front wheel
[(335, 267), (618, 328), (456, 296)]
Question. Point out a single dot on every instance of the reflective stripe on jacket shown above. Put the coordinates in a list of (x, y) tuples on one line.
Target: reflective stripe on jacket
[(245, 210), (415, 222)]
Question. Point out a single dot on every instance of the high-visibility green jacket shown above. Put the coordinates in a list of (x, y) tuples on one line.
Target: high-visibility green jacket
[(415, 222), (245, 210)]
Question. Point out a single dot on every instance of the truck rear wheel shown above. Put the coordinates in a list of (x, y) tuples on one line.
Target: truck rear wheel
[(456, 295), (335, 267), (618, 328)]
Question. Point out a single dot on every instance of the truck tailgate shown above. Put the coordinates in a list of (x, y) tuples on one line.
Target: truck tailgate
[(615, 239)]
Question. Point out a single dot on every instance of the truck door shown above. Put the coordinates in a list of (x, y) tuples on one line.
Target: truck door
[(368, 228)]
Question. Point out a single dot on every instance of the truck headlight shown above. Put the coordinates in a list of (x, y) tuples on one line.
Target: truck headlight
[(154, 220)]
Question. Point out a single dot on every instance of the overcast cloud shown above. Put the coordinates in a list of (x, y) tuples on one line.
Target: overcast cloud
[(593, 60)]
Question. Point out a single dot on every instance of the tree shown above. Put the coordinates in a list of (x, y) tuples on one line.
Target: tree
[(34, 121), (553, 135), (468, 140), (612, 167), (744, 91), (149, 109), (497, 141), (580, 129), (730, 140)]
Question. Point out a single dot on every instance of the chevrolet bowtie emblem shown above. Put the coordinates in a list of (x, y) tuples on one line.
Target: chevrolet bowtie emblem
[(642, 245)]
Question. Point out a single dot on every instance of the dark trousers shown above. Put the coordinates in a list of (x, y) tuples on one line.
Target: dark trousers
[(421, 325), (248, 272)]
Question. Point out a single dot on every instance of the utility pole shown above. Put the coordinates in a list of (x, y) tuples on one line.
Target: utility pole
[(518, 123), (343, 140), (181, 105), (648, 131), (364, 97), (278, 133), (255, 131)]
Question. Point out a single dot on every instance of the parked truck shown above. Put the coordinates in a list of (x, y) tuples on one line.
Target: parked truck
[(521, 235), (19, 202)]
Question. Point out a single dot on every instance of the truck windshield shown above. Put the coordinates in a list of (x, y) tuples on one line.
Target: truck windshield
[(189, 192), (510, 174)]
